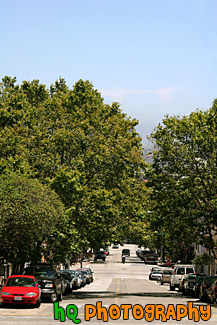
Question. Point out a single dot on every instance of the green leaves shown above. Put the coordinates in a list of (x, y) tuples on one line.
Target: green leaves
[(184, 179), (88, 152), (30, 214)]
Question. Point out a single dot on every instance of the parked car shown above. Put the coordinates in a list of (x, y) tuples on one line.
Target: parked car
[(126, 252), (165, 276), (178, 271), (190, 282), (196, 286), (82, 277), (182, 283), (212, 292), (68, 281), (90, 273), (100, 255), (87, 273), (21, 289), (150, 259), (76, 281), (155, 275), (206, 283), (51, 282), (143, 253)]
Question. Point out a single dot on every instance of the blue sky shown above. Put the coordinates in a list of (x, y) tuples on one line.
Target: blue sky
[(155, 57)]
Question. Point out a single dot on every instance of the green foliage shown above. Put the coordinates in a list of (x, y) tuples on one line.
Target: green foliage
[(31, 214), (204, 259), (184, 180), (85, 150)]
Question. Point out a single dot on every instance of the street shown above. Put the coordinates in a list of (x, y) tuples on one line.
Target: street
[(114, 284)]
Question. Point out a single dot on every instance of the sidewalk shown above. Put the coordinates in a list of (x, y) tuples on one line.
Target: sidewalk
[(77, 265)]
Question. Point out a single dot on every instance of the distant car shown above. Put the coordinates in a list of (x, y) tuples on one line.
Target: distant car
[(150, 259), (126, 252), (87, 273), (178, 271), (165, 276), (83, 278), (141, 253), (90, 273), (115, 246), (21, 289), (76, 281), (100, 255), (155, 275)]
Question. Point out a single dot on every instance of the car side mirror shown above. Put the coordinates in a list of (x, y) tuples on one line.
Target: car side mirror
[(39, 286)]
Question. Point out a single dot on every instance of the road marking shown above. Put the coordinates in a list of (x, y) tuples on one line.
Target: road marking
[(117, 292)]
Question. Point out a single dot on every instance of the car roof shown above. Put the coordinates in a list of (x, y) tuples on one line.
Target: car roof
[(22, 276), (184, 265)]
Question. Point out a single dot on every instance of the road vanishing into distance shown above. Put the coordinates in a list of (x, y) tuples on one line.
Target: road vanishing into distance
[(121, 292)]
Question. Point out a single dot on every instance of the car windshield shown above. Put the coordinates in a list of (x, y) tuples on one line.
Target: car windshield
[(20, 282), (40, 271), (72, 272), (167, 272), (181, 270), (189, 270), (192, 276), (66, 276)]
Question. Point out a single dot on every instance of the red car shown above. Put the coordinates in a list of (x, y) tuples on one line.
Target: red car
[(21, 289)]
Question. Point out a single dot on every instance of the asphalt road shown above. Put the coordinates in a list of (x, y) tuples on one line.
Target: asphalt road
[(126, 287)]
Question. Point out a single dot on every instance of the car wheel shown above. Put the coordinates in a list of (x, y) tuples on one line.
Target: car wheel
[(201, 297), (54, 297), (95, 259), (161, 283), (38, 303), (104, 259), (60, 296), (172, 288)]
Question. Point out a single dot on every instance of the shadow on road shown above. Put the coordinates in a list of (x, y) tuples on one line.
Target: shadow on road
[(17, 306), (112, 294)]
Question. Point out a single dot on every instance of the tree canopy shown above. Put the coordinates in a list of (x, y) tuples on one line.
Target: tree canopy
[(184, 182), (30, 213), (88, 152)]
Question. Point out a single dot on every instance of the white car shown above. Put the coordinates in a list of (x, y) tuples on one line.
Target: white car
[(155, 275), (178, 271)]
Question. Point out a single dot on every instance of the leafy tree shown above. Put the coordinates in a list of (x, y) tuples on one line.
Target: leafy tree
[(31, 214), (84, 149), (184, 181)]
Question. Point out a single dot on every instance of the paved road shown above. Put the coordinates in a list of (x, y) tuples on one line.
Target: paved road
[(114, 284)]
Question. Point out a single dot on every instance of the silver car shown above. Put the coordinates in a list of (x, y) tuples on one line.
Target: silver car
[(165, 276)]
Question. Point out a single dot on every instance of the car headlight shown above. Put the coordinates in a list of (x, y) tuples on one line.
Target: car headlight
[(31, 294), (5, 293), (48, 285)]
